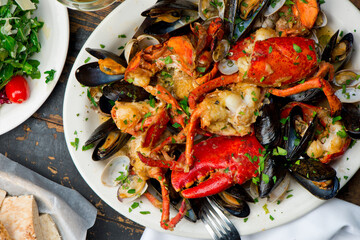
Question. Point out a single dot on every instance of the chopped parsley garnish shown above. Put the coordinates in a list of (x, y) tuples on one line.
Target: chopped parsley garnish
[(87, 147), (144, 212), (168, 60), (297, 48), (176, 125), (50, 75), (75, 143), (92, 100)]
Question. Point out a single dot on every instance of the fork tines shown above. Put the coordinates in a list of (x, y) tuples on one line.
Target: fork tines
[(217, 224)]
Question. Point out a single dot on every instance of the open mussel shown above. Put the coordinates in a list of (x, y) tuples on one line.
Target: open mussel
[(234, 201), (109, 140), (170, 15), (350, 114), (298, 133), (318, 178), (110, 68), (339, 53), (247, 17)]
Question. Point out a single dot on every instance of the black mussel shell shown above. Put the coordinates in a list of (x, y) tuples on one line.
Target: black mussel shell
[(105, 105), (267, 126), (230, 14), (312, 169), (350, 114), (274, 171), (168, 5), (238, 192), (90, 75), (175, 198), (125, 92), (101, 132), (240, 210), (185, 11), (327, 55), (102, 54), (160, 28), (307, 96), (318, 178), (243, 27), (296, 145), (109, 145)]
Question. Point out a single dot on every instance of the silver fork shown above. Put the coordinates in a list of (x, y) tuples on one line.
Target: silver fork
[(217, 224)]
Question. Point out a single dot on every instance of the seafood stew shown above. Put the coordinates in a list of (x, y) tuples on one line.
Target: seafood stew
[(225, 94)]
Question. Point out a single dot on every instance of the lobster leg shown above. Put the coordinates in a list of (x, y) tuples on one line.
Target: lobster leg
[(334, 102), (163, 94), (317, 81), (211, 85), (194, 120), (166, 223), (154, 132), (173, 165), (207, 77)]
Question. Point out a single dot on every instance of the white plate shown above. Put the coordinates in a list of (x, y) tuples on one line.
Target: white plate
[(123, 20), (54, 39)]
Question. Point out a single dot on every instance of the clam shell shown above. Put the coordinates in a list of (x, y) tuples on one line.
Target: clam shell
[(207, 10), (117, 167), (228, 67), (348, 77), (350, 95), (131, 189), (136, 45), (321, 20)]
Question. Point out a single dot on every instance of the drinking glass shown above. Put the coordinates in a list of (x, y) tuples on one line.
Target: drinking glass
[(87, 5)]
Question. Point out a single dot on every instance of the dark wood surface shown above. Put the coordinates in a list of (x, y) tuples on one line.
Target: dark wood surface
[(39, 143)]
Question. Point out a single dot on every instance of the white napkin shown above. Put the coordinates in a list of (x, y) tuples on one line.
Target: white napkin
[(335, 220)]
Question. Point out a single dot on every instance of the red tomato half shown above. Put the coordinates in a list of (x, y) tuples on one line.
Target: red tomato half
[(17, 90)]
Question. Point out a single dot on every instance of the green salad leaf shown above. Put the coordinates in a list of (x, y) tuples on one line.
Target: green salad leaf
[(18, 42)]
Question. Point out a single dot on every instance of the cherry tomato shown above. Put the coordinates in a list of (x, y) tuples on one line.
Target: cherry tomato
[(17, 90)]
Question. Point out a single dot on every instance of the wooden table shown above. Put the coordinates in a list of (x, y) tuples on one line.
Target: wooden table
[(39, 143)]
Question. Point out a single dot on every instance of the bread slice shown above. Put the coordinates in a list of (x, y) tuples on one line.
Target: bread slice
[(49, 229), (2, 196), (4, 235), (20, 217)]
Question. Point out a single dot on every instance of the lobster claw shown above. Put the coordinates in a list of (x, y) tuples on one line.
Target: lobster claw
[(227, 160)]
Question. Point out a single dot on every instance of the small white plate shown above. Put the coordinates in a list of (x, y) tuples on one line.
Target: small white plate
[(79, 118), (54, 39)]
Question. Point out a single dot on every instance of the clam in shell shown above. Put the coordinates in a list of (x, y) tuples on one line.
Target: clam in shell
[(115, 171)]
